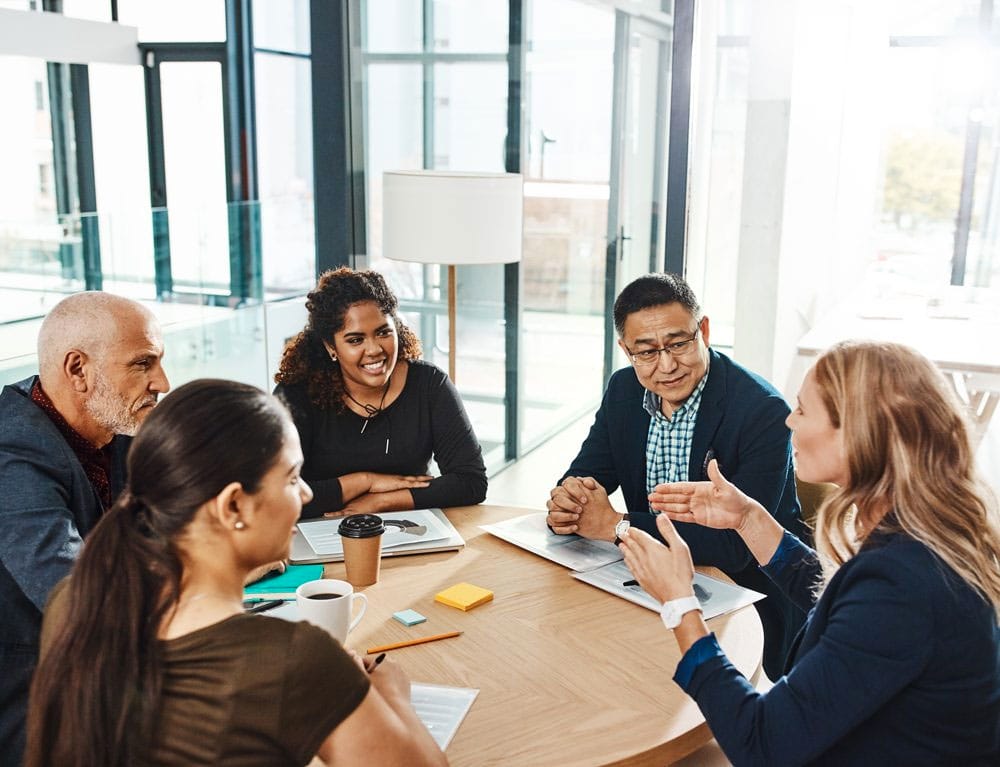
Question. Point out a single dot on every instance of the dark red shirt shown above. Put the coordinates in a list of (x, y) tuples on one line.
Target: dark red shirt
[(96, 461)]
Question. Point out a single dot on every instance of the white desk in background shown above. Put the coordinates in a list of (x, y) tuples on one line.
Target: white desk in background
[(963, 340)]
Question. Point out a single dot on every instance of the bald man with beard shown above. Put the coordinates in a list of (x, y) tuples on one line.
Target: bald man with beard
[(64, 436)]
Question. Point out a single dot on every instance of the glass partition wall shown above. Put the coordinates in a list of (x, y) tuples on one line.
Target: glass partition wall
[(190, 181), (590, 143)]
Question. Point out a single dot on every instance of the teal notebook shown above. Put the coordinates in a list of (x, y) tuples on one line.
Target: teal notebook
[(283, 585)]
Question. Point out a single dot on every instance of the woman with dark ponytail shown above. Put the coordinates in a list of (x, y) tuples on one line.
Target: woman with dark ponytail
[(147, 656)]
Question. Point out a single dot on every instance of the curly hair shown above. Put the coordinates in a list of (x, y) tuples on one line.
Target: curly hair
[(305, 358)]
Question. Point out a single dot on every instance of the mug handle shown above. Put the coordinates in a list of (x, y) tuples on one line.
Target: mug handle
[(360, 615)]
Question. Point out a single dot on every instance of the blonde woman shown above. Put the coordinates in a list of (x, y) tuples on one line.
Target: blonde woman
[(899, 659)]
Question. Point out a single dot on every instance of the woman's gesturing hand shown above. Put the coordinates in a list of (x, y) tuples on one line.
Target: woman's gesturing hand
[(718, 503), (665, 572)]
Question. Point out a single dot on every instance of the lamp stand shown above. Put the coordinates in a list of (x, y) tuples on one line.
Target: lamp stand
[(452, 301)]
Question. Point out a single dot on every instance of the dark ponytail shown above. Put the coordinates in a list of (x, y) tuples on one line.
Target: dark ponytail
[(95, 694)]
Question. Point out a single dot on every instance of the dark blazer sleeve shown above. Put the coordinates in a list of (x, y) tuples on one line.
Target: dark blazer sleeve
[(456, 451), (614, 451), (39, 536), (861, 661), (327, 492), (595, 458)]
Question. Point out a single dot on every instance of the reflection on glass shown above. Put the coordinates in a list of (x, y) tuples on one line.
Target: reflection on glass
[(118, 116), (285, 173), (393, 26), (470, 95), (281, 25), (393, 141), (461, 26), (569, 77), (196, 173), (38, 249), (716, 195)]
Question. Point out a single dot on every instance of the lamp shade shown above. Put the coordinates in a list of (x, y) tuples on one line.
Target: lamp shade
[(447, 217)]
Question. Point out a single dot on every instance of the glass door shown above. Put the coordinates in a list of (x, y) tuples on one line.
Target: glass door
[(638, 162)]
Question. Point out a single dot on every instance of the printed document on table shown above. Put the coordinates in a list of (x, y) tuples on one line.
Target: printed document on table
[(716, 597), (441, 708), (401, 528), (532, 534)]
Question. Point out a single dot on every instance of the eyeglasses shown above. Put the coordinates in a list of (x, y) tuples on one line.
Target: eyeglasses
[(677, 349)]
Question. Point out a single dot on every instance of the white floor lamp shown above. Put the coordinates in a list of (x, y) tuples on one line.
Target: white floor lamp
[(450, 218)]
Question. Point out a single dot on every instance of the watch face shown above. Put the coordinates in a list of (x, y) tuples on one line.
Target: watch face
[(621, 528)]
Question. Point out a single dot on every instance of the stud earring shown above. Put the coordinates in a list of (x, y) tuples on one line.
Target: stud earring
[(240, 524)]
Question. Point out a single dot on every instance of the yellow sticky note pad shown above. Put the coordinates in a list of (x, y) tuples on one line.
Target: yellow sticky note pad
[(464, 596)]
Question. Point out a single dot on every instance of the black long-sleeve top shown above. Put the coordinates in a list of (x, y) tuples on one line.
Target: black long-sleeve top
[(427, 419)]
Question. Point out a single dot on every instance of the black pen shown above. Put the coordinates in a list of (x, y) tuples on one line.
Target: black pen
[(630, 583), (262, 607), (379, 659)]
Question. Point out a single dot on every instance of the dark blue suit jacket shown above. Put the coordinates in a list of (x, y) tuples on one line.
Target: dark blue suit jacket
[(47, 506), (741, 422), (899, 663)]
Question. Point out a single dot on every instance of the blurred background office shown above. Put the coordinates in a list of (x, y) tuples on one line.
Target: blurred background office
[(814, 170)]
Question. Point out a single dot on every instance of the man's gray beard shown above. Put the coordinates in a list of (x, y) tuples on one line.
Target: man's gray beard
[(110, 409)]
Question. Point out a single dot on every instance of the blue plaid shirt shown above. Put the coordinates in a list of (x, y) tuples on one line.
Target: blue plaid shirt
[(668, 442)]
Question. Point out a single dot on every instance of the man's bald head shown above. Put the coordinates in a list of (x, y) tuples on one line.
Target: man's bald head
[(89, 322), (99, 362)]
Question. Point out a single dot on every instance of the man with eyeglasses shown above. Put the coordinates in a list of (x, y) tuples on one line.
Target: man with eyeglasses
[(681, 405)]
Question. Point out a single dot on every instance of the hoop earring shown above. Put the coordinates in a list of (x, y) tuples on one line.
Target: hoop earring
[(240, 525)]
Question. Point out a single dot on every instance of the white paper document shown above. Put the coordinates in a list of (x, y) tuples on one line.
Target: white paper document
[(531, 533), (401, 528), (441, 708), (716, 597)]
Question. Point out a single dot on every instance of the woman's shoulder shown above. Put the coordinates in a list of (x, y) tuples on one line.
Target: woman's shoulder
[(913, 569), (422, 370), (425, 377)]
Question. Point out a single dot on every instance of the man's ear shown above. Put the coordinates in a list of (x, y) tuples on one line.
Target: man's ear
[(75, 369), (621, 345), (704, 327)]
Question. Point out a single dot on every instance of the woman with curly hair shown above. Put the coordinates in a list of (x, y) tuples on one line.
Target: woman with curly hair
[(370, 413), (899, 658)]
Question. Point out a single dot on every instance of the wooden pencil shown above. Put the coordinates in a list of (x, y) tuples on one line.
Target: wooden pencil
[(409, 642)]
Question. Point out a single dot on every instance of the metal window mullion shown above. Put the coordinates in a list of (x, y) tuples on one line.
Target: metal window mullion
[(619, 97), (679, 136), (79, 77)]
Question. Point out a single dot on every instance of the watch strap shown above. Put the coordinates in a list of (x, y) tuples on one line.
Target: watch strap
[(624, 518), (678, 608)]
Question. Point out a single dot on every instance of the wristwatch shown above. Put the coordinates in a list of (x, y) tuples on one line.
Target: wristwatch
[(671, 612), (621, 527)]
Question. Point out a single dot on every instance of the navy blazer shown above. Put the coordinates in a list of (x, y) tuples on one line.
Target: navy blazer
[(898, 663), (741, 422), (47, 506)]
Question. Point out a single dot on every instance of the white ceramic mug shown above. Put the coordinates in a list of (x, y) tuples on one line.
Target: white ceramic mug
[(329, 604)]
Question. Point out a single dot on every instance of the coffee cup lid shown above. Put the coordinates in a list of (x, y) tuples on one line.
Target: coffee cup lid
[(362, 526)]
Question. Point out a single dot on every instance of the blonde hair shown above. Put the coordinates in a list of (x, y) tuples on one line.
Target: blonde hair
[(909, 458)]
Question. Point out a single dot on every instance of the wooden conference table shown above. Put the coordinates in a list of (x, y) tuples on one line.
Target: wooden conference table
[(568, 674)]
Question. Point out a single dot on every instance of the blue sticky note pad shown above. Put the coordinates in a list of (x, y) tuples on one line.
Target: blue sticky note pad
[(409, 617)]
